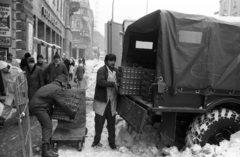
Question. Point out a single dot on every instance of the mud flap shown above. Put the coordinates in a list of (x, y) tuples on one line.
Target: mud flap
[(169, 127), (132, 113)]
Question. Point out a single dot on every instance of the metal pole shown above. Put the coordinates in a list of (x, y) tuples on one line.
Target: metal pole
[(112, 9), (147, 7)]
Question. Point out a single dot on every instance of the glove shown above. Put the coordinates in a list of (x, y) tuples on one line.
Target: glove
[(72, 117)]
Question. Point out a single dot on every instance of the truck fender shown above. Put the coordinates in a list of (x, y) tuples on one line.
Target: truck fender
[(216, 103)]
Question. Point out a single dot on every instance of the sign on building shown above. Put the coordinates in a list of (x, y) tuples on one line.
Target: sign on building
[(5, 20)]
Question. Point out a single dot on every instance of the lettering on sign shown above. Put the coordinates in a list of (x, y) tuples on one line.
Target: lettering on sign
[(49, 16), (5, 20)]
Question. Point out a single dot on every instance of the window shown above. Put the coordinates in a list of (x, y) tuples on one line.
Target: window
[(144, 45), (234, 3), (190, 37)]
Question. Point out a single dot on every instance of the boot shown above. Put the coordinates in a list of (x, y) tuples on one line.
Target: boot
[(47, 152)]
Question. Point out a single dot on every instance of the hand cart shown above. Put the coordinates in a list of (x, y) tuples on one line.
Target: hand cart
[(67, 130)]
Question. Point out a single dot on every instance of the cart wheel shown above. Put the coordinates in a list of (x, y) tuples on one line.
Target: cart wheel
[(83, 140), (86, 131), (55, 146), (80, 146)]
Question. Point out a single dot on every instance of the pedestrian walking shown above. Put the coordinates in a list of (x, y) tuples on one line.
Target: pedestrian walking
[(83, 61), (34, 77), (41, 105), (24, 60), (71, 69), (43, 66), (55, 68), (105, 101), (11, 60), (79, 74), (9, 74)]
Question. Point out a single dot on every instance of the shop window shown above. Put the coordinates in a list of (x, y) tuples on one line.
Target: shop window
[(144, 45), (190, 37)]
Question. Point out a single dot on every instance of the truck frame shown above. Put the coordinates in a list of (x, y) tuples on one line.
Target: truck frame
[(196, 93)]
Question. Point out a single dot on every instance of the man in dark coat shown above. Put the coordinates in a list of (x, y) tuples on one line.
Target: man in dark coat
[(34, 77), (41, 106), (43, 66), (105, 100), (56, 68), (24, 60), (79, 73)]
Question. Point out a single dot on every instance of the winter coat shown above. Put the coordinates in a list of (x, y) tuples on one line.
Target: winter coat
[(47, 96), (23, 63), (35, 79), (79, 72), (102, 84), (52, 72), (44, 66)]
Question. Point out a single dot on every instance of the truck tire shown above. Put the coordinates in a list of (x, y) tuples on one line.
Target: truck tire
[(213, 127)]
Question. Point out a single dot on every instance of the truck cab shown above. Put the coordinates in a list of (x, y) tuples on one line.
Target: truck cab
[(195, 91)]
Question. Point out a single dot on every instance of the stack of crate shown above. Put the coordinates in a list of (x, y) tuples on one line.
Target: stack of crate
[(130, 80), (147, 80), (73, 103)]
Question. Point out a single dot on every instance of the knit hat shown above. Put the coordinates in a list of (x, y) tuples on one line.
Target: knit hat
[(3, 65), (62, 78), (31, 59)]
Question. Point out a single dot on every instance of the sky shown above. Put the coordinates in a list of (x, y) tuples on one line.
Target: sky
[(135, 9)]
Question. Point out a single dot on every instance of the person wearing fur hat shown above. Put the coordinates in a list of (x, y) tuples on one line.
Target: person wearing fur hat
[(34, 77), (41, 105), (9, 75), (55, 68)]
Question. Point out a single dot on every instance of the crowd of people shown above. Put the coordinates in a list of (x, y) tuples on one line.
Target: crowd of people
[(45, 84)]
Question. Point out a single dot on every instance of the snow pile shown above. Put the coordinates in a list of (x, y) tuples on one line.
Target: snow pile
[(225, 149), (144, 145)]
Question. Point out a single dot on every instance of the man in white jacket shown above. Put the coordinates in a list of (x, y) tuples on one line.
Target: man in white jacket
[(9, 74)]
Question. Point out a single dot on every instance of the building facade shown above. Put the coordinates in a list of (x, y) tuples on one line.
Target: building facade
[(229, 8), (36, 26), (82, 30)]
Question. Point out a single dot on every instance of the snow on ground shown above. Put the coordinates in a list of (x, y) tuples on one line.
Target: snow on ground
[(133, 145)]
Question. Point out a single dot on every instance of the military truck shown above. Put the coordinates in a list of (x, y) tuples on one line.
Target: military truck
[(196, 90)]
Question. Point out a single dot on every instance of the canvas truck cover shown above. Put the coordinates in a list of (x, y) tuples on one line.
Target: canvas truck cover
[(193, 51)]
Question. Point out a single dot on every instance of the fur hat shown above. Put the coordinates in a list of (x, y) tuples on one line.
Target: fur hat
[(62, 78), (3, 65), (56, 56), (31, 59)]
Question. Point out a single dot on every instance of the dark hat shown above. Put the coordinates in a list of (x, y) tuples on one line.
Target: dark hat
[(27, 55), (40, 56), (31, 59), (62, 78), (56, 56)]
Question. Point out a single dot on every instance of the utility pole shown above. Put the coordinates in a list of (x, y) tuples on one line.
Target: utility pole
[(146, 6)]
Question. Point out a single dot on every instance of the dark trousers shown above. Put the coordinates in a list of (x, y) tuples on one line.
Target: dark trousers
[(1, 83), (46, 124), (99, 122)]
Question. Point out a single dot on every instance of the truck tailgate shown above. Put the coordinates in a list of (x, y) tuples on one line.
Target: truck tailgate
[(132, 113)]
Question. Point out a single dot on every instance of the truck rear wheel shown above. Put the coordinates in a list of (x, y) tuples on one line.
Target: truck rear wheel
[(213, 127)]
